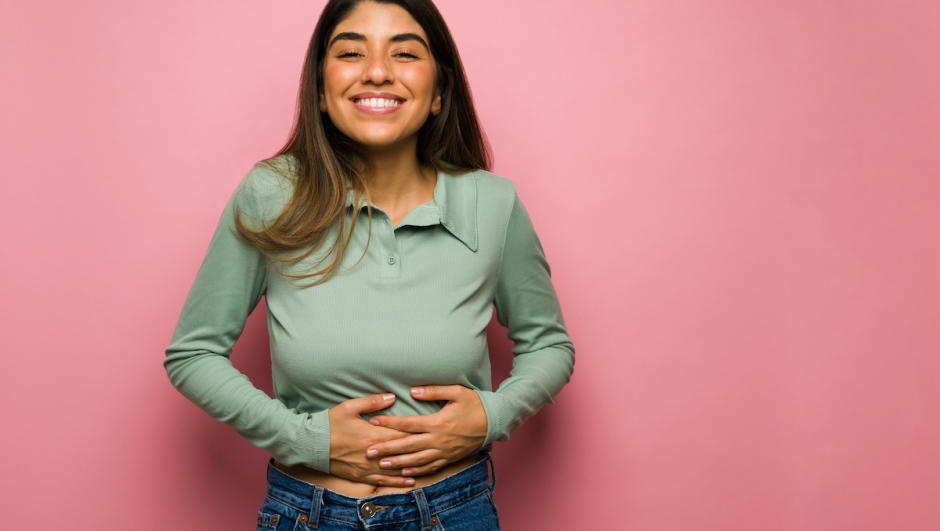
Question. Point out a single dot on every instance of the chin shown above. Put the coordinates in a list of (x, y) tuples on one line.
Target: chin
[(378, 141)]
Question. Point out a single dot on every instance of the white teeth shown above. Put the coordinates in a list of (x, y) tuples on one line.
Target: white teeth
[(378, 103)]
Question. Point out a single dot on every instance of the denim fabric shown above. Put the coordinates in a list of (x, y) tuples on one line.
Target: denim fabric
[(460, 502)]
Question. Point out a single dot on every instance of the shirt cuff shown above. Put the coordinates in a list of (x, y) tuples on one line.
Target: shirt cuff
[(500, 417), (306, 442)]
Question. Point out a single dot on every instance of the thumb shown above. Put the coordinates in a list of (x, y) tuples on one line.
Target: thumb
[(438, 392), (367, 404)]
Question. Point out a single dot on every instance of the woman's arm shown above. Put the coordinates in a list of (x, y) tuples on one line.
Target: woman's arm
[(228, 286), (527, 305)]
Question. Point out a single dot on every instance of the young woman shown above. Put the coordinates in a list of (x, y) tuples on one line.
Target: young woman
[(381, 245)]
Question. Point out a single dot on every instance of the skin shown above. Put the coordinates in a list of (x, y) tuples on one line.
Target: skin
[(375, 53)]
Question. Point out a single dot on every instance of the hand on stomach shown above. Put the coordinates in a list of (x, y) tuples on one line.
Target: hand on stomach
[(395, 454)]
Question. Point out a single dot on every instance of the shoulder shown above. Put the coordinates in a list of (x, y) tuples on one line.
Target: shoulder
[(490, 185), (269, 177), (496, 195), (266, 189), (489, 201), (499, 201)]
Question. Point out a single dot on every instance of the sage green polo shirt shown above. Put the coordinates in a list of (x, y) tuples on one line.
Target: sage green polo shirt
[(410, 308)]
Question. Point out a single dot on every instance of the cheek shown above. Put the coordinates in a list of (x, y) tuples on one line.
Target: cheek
[(420, 81), (336, 79)]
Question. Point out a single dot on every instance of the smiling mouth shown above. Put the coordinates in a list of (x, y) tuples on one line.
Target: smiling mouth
[(377, 103)]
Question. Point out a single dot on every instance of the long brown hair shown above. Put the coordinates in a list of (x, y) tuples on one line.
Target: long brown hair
[(325, 163)]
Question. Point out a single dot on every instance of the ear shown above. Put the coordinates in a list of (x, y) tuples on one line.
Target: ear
[(436, 103)]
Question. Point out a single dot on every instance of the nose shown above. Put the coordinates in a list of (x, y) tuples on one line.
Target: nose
[(378, 70)]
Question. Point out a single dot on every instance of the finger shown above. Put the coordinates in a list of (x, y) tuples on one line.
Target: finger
[(424, 470), (410, 424), (379, 434), (414, 460), (366, 404), (389, 481), (439, 392), (405, 445)]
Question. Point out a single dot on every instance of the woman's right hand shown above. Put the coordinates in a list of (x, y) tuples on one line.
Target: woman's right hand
[(350, 435)]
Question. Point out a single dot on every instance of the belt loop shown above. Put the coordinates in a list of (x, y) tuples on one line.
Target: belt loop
[(422, 508), (492, 469), (315, 505)]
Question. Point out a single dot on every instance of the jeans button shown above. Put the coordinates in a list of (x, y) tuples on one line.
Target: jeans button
[(367, 510)]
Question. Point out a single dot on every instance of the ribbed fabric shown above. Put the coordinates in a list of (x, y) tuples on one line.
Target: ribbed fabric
[(412, 311)]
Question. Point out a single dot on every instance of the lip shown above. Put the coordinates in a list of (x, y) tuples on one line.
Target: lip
[(381, 110)]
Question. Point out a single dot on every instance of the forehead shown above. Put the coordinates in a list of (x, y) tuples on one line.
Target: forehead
[(379, 22)]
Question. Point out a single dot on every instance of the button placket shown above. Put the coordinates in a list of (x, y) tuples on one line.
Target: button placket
[(391, 268)]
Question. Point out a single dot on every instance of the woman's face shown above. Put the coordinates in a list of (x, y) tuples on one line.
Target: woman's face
[(379, 77)]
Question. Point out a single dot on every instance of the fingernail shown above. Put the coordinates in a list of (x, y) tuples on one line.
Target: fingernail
[(385, 464), (373, 422), (406, 472), (417, 391), (409, 482), (372, 453), (388, 396)]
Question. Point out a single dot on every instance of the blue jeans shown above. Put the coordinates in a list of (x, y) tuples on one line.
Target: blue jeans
[(459, 502)]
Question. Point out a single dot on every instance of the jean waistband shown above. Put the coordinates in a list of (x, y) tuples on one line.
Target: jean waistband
[(316, 502)]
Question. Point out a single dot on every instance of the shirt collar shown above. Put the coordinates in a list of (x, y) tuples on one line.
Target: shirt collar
[(456, 198)]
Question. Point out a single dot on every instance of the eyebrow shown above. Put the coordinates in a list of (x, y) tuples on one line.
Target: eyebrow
[(401, 37)]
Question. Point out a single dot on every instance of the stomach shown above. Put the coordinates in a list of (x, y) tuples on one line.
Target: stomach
[(356, 489)]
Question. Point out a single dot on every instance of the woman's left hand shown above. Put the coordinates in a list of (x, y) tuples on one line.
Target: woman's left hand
[(438, 439)]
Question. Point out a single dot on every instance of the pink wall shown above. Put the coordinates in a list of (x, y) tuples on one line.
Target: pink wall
[(739, 200)]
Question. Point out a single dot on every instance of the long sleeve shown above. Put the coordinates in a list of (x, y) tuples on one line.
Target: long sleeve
[(230, 282), (526, 304)]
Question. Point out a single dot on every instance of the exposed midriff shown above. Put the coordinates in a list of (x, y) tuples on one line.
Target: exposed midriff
[(357, 489)]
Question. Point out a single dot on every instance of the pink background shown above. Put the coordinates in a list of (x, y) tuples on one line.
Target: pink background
[(739, 201)]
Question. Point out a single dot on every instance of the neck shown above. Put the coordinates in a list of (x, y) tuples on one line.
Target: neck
[(397, 182)]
